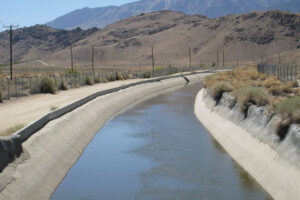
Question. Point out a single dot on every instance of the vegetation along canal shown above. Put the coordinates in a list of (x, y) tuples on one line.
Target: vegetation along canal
[(158, 150)]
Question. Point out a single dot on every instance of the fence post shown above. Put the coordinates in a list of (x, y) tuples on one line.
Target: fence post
[(8, 89), (22, 86), (16, 87), (30, 85)]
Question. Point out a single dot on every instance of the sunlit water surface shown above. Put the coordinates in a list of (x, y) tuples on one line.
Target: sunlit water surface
[(157, 150)]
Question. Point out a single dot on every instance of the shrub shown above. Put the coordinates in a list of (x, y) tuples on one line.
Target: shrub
[(146, 75), (271, 81), (125, 76), (289, 109), (89, 81), (12, 130), (63, 85), (119, 76), (97, 80), (112, 77), (48, 85), (1, 97), (218, 88), (104, 80), (72, 72), (251, 95)]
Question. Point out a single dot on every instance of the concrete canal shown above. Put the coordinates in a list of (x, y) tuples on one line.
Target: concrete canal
[(157, 150)]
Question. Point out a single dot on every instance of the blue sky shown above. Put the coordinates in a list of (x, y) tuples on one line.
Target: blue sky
[(31, 12)]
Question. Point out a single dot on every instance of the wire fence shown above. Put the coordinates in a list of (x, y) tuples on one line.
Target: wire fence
[(26, 85), (283, 72)]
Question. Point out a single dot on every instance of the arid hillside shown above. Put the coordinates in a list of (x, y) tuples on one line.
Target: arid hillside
[(245, 37)]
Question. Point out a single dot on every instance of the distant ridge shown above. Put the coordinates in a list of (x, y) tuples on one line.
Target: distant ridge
[(128, 41), (102, 16)]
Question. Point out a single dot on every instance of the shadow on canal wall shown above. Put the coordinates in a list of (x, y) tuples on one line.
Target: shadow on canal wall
[(253, 142)]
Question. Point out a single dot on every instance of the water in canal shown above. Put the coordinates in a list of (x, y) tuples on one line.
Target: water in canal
[(157, 150)]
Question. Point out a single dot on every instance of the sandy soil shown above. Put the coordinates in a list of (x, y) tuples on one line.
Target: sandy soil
[(26, 110)]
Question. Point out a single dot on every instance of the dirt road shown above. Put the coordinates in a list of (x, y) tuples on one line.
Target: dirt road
[(28, 109)]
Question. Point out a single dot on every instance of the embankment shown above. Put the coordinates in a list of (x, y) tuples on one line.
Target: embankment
[(252, 144), (58, 143)]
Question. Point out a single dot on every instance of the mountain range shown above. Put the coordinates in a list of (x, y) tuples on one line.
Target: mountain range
[(128, 42), (103, 16)]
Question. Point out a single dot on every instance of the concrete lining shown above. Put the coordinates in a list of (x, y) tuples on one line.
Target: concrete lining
[(10, 152), (279, 177), (54, 148)]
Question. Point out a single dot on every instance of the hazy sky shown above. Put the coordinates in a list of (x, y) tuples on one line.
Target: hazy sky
[(31, 12)]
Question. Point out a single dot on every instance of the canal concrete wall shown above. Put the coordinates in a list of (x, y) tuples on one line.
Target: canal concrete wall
[(253, 144), (56, 144)]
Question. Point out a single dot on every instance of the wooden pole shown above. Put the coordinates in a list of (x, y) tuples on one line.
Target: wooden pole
[(217, 58), (93, 58), (10, 48), (190, 58), (152, 49), (223, 59), (72, 58)]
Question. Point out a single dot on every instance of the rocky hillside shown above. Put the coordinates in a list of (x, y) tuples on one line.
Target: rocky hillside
[(247, 36), (100, 17)]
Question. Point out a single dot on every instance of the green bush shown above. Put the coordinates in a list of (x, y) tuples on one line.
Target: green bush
[(63, 86), (289, 109), (219, 87), (251, 95), (48, 85), (119, 76), (89, 81), (146, 75), (104, 80)]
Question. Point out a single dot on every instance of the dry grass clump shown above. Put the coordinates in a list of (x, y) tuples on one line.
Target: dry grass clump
[(111, 77), (12, 130), (89, 81), (119, 76), (289, 109), (251, 95), (63, 86), (146, 75), (125, 76), (218, 88), (97, 80), (48, 85)]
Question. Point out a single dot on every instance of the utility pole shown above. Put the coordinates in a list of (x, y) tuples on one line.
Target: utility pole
[(72, 58), (152, 48), (217, 58), (93, 58), (190, 58), (223, 59), (10, 45)]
